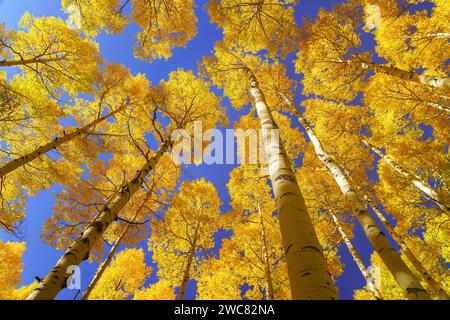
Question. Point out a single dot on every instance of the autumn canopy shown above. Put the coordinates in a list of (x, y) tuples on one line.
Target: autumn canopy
[(116, 121)]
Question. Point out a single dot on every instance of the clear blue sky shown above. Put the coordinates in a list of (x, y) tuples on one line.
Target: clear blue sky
[(39, 258)]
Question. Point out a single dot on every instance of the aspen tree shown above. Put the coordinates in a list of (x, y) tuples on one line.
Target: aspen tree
[(55, 281), (306, 263), (123, 277), (187, 227), (182, 109), (411, 288), (28, 165)]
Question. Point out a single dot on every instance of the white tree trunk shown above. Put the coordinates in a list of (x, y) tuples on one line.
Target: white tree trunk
[(270, 293), (425, 276), (102, 267), (56, 279), (438, 35), (307, 268), (16, 163), (366, 274), (414, 179), (399, 270), (434, 82), (438, 106)]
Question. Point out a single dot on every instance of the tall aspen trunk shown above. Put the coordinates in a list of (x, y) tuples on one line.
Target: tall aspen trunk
[(437, 290), (396, 266), (101, 268), (270, 293), (19, 162), (370, 281), (414, 179), (187, 270), (435, 82), (307, 268), (28, 61), (56, 279)]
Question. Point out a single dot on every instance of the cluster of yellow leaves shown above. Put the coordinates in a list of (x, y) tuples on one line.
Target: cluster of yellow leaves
[(164, 24), (325, 47), (60, 48), (184, 99), (160, 290), (339, 129), (256, 25), (416, 40), (386, 284), (123, 278), (92, 16), (407, 102), (11, 271), (219, 279)]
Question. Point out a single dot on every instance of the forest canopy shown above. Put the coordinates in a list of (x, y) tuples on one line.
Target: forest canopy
[(225, 149)]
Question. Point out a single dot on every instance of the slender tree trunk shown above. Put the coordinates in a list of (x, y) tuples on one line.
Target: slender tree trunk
[(437, 290), (414, 179), (187, 270), (438, 35), (435, 82), (58, 141), (307, 268), (366, 274), (270, 293), (101, 268), (400, 271), (438, 106), (28, 61), (56, 279)]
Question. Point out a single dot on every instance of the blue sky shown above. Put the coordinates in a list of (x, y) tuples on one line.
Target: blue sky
[(39, 258)]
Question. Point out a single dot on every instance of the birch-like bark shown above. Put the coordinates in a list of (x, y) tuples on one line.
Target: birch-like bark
[(270, 293), (187, 270), (79, 251), (437, 35), (23, 62), (434, 286), (414, 179), (397, 267), (307, 268), (434, 82), (438, 106), (370, 281), (101, 268), (58, 141)]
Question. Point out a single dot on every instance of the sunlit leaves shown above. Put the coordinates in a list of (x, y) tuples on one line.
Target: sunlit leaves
[(256, 25)]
